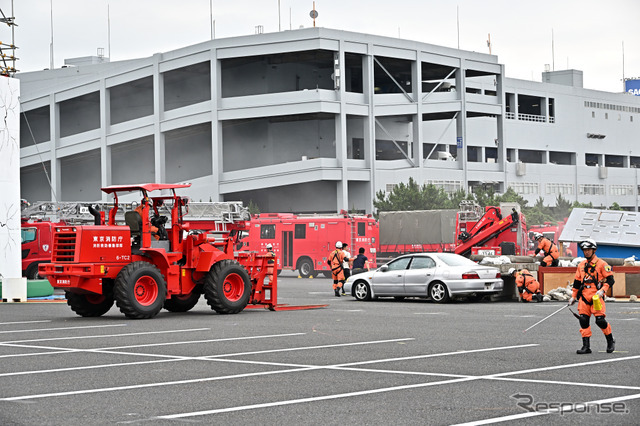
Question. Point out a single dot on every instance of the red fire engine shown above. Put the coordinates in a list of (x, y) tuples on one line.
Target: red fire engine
[(303, 242)]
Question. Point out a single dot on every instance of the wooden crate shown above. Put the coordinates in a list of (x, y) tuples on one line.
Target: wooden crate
[(550, 278)]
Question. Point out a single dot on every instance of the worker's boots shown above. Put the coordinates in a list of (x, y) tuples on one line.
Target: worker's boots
[(611, 344), (585, 349), (337, 291)]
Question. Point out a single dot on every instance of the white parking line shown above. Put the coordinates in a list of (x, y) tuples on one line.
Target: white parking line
[(22, 322), (551, 411), (103, 336), (206, 379), (380, 390), (190, 342), (312, 399), (61, 328), (376, 361)]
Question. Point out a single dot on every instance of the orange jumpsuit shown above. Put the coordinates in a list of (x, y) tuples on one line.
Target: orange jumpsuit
[(590, 277), (270, 263), (336, 258), (527, 285), (153, 229), (550, 250)]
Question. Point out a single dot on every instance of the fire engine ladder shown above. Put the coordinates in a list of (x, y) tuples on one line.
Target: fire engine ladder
[(72, 212)]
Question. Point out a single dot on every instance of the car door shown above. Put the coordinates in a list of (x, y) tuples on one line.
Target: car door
[(420, 273), (390, 282)]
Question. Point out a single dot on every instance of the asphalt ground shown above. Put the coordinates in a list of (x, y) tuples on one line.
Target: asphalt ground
[(378, 362)]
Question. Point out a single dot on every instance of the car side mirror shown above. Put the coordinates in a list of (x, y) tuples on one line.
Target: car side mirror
[(384, 268)]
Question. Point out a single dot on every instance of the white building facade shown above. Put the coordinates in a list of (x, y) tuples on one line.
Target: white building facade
[(319, 120)]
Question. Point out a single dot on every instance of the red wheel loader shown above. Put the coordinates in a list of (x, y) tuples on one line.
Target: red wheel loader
[(149, 264)]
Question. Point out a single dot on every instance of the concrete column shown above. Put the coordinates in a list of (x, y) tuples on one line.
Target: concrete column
[(416, 82), (461, 123), (341, 138), (54, 137), (14, 287), (158, 109), (369, 122), (105, 151), (216, 127)]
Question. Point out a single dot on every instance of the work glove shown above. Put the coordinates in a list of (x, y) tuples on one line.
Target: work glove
[(572, 301), (600, 294)]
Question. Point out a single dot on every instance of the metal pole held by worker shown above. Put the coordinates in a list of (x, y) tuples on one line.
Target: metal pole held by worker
[(546, 318)]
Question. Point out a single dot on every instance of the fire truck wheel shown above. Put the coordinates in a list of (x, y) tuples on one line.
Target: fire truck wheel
[(438, 292), (227, 287), (90, 305), (182, 303), (361, 290), (305, 267), (32, 272), (140, 290)]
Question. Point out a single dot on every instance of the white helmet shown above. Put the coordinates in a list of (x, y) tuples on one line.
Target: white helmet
[(269, 246), (339, 244), (537, 235), (588, 244), (511, 271)]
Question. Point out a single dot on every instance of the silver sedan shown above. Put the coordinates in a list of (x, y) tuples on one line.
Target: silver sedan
[(439, 276)]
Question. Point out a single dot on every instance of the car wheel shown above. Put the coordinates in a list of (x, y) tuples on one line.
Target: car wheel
[(362, 291), (305, 267), (438, 292)]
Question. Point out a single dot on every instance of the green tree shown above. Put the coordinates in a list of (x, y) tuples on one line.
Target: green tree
[(411, 196), (253, 208)]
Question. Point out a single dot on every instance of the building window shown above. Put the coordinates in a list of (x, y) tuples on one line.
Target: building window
[(449, 186), (591, 189), (390, 187), (559, 188), (621, 190), (524, 188), (593, 114)]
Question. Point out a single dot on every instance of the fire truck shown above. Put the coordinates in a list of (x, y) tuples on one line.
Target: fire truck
[(158, 262), (494, 231), (304, 241)]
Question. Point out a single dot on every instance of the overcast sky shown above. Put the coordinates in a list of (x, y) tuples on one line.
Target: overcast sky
[(587, 34)]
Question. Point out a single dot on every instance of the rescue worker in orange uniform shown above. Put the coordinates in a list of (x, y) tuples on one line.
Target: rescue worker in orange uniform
[(528, 286), (550, 250), (153, 229), (336, 259), (271, 262), (593, 276)]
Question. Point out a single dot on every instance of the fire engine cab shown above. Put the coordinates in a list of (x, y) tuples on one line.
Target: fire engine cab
[(304, 241)]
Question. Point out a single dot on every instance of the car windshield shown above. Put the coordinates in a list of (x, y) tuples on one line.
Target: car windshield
[(455, 260)]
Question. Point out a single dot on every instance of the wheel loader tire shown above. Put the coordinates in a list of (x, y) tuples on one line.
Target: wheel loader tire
[(91, 305), (182, 303), (227, 287), (140, 290)]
